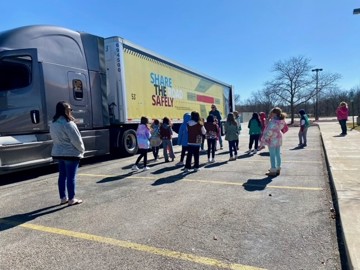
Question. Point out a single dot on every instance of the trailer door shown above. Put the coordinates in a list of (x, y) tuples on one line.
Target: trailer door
[(22, 106)]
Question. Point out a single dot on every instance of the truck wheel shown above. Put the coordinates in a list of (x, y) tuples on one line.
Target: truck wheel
[(129, 143)]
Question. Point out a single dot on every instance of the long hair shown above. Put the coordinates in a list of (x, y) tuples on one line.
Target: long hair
[(144, 120), (166, 121), (231, 119), (156, 122), (279, 113), (63, 109), (195, 116), (256, 117), (210, 119)]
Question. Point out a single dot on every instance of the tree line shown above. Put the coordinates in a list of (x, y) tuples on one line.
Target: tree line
[(297, 85)]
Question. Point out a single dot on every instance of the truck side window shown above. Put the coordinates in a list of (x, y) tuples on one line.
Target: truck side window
[(15, 72), (78, 89)]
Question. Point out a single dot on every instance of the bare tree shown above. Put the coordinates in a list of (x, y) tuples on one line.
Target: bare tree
[(291, 81), (236, 99), (294, 82)]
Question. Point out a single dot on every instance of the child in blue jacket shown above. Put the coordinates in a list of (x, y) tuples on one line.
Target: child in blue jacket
[(183, 137)]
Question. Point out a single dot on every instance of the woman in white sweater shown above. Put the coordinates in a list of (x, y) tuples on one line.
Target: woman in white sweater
[(68, 148)]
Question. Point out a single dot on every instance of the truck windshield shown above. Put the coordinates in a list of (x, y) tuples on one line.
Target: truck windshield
[(15, 72)]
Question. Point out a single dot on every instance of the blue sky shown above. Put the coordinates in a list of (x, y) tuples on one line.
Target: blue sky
[(234, 41)]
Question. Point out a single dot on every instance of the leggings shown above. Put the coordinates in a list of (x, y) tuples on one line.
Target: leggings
[(211, 147), (143, 153), (275, 157)]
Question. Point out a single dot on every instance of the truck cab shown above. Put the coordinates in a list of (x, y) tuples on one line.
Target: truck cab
[(40, 66)]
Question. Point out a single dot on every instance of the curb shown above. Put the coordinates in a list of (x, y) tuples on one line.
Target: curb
[(343, 248)]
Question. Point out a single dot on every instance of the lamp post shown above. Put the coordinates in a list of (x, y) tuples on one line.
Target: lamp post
[(351, 95), (317, 93)]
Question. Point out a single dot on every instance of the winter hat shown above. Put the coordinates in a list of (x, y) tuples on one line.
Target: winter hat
[(302, 112)]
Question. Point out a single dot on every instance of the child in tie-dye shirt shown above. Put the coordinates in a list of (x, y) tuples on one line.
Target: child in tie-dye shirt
[(272, 137)]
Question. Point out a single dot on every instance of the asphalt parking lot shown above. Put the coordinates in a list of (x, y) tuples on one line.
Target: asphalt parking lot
[(228, 215)]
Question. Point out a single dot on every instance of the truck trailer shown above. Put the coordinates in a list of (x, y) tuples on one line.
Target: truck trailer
[(109, 82)]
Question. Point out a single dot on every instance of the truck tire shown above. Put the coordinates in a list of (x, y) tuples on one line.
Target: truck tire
[(129, 143)]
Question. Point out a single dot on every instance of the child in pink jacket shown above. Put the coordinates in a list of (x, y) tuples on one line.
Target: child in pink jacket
[(342, 113)]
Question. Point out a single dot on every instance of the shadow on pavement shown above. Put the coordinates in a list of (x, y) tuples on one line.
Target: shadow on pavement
[(245, 156), (299, 147), (16, 220), (215, 164), (257, 184), (118, 177), (170, 179)]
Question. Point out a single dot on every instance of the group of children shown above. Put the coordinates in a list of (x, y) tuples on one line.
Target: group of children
[(153, 137), (193, 131)]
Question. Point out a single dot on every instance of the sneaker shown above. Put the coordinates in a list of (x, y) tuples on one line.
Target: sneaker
[(231, 159), (146, 168), (271, 172), (63, 201), (197, 169), (213, 160), (209, 160), (255, 151), (221, 148), (248, 151), (135, 168), (180, 163), (74, 202), (188, 170)]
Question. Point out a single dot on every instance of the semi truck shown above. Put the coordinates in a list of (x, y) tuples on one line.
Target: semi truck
[(109, 82)]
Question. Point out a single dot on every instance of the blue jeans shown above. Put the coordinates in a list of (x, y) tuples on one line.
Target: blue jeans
[(275, 157), (67, 177), (168, 150), (343, 126), (232, 147), (303, 136)]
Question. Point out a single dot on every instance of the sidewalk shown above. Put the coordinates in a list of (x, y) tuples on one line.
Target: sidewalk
[(344, 162)]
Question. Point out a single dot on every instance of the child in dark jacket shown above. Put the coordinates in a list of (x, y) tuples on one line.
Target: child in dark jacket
[(212, 131), (254, 131), (166, 134), (195, 130)]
